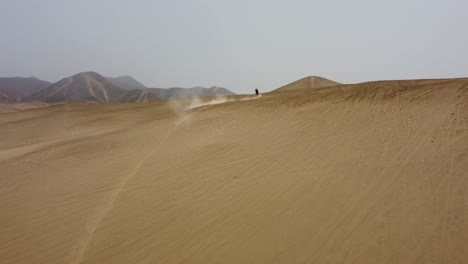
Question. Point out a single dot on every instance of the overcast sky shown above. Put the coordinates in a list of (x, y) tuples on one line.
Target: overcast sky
[(238, 44)]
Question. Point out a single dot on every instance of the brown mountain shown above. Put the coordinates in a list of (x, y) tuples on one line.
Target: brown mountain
[(309, 82), (86, 86), (127, 83), (16, 88)]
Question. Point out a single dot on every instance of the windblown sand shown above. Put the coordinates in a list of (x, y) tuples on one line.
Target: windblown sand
[(368, 173)]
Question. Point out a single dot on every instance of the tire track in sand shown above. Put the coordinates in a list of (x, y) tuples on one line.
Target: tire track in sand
[(91, 227)]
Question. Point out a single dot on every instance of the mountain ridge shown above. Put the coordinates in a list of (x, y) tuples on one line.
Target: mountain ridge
[(14, 89), (87, 86)]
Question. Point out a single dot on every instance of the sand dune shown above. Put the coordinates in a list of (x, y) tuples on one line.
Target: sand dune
[(311, 82), (365, 173)]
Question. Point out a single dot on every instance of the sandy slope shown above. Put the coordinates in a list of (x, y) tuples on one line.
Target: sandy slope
[(368, 173)]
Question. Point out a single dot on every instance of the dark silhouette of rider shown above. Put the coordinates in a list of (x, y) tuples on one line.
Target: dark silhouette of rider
[(256, 91)]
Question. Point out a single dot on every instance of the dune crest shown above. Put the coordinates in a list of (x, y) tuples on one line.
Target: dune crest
[(310, 82)]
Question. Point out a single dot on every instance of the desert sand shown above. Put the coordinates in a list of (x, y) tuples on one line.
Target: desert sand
[(366, 173)]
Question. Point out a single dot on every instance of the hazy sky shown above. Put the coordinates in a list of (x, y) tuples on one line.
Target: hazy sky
[(238, 44)]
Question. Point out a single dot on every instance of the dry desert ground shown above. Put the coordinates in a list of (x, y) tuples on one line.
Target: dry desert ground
[(367, 173)]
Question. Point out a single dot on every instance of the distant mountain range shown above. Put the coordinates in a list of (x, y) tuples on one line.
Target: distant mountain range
[(85, 86), (16, 88), (91, 86), (129, 83)]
